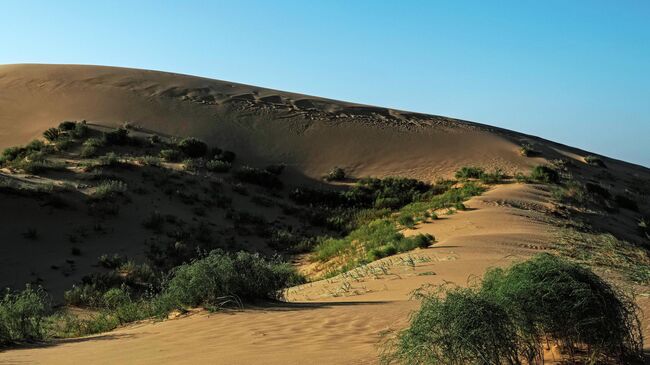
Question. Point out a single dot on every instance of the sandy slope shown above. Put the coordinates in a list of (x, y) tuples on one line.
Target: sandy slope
[(338, 321)]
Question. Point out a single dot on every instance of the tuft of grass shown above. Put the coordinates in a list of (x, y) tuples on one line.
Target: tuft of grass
[(257, 176), (551, 298), (594, 161), (469, 172), (515, 312), (170, 155), (218, 166), (192, 147), (336, 174), (109, 188)]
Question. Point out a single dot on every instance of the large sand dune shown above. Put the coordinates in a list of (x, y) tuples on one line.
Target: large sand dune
[(326, 322)]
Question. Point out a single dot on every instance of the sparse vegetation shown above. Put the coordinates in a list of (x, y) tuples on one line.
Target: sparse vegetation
[(170, 155), (109, 188), (527, 150), (545, 174), (257, 176), (22, 316), (192, 147), (470, 172), (594, 161), (336, 174), (218, 166)]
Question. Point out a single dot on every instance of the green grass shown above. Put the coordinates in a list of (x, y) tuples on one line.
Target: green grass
[(109, 188)]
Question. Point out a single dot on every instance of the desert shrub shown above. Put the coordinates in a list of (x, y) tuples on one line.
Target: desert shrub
[(80, 130), (111, 261), (36, 166), (469, 172), (52, 134), (336, 174), (84, 295), (257, 176), (64, 143), (108, 189), (626, 203), (571, 192), (148, 160), (494, 177), (527, 150), (458, 327), (170, 155), (193, 147), (193, 164), (110, 159), (549, 298), (545, 174), (594, 161), (218, 166), (67, 126), (224, 278), (11, 153), (22, 315), (406, 220), (118, 137)]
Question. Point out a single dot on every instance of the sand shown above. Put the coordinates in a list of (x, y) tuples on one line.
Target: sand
[(338, 321)]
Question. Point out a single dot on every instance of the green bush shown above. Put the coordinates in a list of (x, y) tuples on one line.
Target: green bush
[(594, 161), (67, 126), (494, 177), (518, 311), (22, 315), (108, 189), (527, 150), (336, 174), (170, 155), (469, 172), (80, 130), (406, 220), (52, 134), (223, 278), (256, 176), (462, 327), (119, 136), (193, 147), (549, 298), (545, 174), (218, 166)]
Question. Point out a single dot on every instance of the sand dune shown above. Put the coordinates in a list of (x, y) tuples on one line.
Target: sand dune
[(336, 321)]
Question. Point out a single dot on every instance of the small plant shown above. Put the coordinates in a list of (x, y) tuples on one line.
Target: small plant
[(406, 220), (149, 161), (336, 174), (80, 130), (545, 174), (170, 155), (218, 166), (594, 161), (108, 189), (470, 172), (193, 147), (256, 176), (119, 136), (527, 150), (52, 134)]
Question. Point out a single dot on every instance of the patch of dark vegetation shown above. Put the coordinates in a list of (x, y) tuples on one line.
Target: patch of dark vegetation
[(192, 147), (527, 150), (515, 312), (23, 316), (252, 175), (469, 172), (336, 174), (545, 174), (594, 161)]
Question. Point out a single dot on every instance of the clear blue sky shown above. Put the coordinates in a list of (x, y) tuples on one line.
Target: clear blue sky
[(577, 72)]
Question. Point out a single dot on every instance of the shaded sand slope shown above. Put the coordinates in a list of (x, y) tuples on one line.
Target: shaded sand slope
[(337, 321), (309, 133)]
